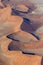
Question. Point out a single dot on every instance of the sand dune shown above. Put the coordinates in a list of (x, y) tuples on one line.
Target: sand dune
[(10, 50), (15, 57)]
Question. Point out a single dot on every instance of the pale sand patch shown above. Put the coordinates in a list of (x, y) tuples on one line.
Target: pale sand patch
[(22, 8), (5, 13)]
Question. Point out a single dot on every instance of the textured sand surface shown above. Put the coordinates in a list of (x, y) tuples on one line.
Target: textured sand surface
[(16, 57), (10, 24)]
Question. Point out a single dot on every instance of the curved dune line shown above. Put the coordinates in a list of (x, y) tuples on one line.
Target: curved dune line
[(15, 57)]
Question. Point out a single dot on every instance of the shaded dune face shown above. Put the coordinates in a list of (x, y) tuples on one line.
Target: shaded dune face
[(14, 45), (32, 27), (42, 61)]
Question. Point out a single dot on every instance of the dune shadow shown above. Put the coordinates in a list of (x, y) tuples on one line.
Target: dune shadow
[(42, 61), (27, 27), (13, 46)]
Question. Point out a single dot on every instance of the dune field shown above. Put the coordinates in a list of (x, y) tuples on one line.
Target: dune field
[(21, 32)]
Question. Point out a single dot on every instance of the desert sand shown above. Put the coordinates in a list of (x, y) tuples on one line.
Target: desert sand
[(15, 24)]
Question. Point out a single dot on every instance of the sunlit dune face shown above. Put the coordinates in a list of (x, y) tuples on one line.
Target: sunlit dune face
[(8, 21), (5, 13), (16, 22), (24, 60), (15, 19)]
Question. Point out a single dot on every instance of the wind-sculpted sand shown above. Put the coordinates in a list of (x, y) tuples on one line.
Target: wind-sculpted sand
[(21, 33), (15, 57)]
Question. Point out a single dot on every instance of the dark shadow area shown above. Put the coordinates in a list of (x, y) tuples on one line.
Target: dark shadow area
[(26, 20), (15, 12), (13, 46), (30, 53), (42, 61), (27, 27)]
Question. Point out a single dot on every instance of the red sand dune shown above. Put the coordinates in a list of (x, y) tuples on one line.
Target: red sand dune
[(16, 57)]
